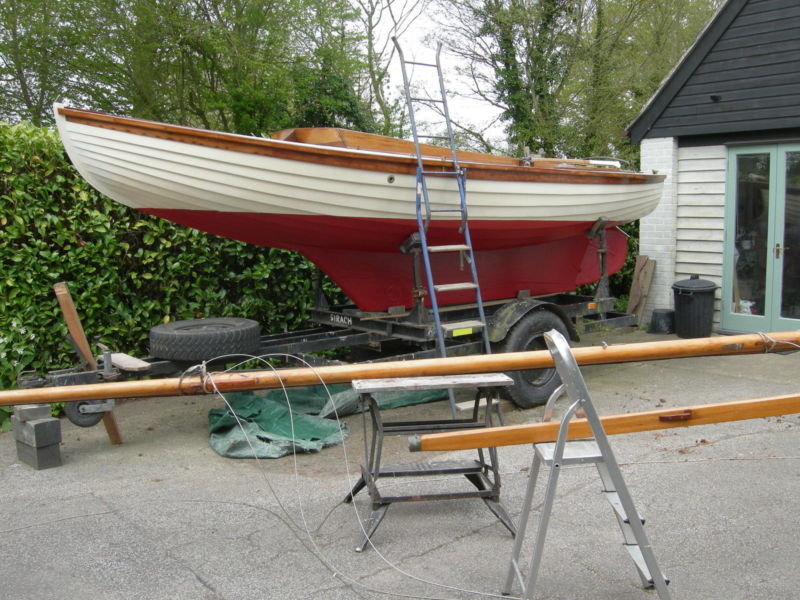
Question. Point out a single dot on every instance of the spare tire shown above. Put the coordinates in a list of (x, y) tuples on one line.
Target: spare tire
[(204, 339)]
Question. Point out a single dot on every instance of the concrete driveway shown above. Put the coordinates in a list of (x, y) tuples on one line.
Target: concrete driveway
[(162, 516)]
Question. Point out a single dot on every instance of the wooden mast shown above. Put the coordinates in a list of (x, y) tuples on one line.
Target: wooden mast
[(240, 381), (536, 433)]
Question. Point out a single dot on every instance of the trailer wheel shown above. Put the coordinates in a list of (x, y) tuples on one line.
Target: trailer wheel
[(534, 386), (204, 339), (72, 410)]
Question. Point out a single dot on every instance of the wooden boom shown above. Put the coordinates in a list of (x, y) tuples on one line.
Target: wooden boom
[(536, 433), (253, 380)]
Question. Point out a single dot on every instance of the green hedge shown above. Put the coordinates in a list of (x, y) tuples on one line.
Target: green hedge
[(127, 271)]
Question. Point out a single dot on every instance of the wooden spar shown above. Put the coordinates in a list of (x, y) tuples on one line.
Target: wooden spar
[(75, 329), (535, 433), (73, 322), (253, 380)]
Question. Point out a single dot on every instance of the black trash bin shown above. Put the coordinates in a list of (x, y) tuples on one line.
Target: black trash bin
[(694, 307)]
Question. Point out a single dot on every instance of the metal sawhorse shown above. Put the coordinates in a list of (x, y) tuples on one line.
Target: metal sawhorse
[(562, 452), (482, 472)]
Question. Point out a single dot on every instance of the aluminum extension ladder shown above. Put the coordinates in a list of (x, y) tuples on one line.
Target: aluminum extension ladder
[(562, 452), (419, 241)]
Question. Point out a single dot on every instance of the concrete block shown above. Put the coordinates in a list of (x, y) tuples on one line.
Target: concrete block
[(38, 432), (39, 458), (29, 412)]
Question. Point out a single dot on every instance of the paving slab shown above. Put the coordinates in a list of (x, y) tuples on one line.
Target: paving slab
[(163, 516)]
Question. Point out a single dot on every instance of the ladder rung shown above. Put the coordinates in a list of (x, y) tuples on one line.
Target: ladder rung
[(427, 100), (454, 287), (450, 248), (421, 64), (635, 552), (463, 327), (441, 172), (638, 559), (616, 503), (446, 210), (434, 137), (575, 452)]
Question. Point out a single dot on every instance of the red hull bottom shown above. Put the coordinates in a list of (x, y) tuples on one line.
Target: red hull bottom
[(362, 255)]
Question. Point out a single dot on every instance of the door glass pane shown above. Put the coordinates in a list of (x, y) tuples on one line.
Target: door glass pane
[(750, 246), (790, 252)]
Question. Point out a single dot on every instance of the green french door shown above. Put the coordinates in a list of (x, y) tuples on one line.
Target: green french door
[(761, 275)]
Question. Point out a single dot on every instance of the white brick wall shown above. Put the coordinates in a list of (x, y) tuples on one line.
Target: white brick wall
[(684, 234), (657, 230), (700, 222)]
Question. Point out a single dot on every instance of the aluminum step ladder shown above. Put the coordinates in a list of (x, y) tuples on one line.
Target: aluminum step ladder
[(563, 452), (425, 213)]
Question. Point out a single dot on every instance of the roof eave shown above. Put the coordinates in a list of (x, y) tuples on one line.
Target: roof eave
[(680, 73)]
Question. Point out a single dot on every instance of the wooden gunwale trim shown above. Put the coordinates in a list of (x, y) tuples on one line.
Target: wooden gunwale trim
[(229, 382), (667, 418), (342, 157)]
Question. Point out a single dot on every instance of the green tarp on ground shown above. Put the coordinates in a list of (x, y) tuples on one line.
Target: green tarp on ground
[(272, 427)]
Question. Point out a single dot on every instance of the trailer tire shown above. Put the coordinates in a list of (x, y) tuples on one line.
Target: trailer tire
[(72, 410), (534, 386), (204, 339)]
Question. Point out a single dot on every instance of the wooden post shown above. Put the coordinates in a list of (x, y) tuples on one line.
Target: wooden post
[(640, 287), (75, 328)]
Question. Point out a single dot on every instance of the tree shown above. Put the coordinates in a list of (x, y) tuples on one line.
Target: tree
[(380, 21), (518, 55), (330, 72), (218, 64), (38, 46), (247, 66), (632, 45), (568, 75)]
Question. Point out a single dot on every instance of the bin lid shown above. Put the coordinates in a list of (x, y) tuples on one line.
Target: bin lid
[(694, 284)]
